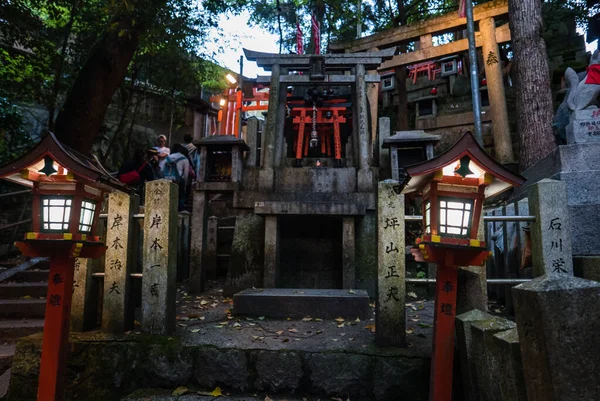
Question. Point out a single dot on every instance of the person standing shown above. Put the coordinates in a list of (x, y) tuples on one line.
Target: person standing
[(163, 150), (193, 154)]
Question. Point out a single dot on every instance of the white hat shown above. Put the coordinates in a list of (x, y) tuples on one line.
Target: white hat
[(162, 136)]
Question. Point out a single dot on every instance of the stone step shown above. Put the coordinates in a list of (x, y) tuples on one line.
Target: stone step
[(22, 308), (167, 395), (11, 330), (7, 352), (297, 303), (31, 276), (19, 290)]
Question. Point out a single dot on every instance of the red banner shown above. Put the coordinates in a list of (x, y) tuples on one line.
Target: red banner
[(299, 43), (316, 33), (462, 9)]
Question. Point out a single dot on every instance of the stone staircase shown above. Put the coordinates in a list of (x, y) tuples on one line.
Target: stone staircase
[(23, 301)]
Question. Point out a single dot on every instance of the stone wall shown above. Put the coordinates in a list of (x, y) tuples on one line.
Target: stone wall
[(101, 367)]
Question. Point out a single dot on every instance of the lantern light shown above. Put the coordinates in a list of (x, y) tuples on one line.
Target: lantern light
[(231, 79), (222, 102)]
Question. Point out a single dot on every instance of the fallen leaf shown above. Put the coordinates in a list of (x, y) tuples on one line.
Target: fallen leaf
[(352, 339), (497, 310), (219, 327), (268, 399), (183, 318), (319, 331), (342, 334), (415, 320), (285, 340), (334, 339), (236, 324), (181, 390), (203, 302), (409, 331), (214, 305), (351, 292), (27, 297), (307, 319), (412, 295), (201, 318), (292, 330), (193, 316), (340, 320), (182, 325), (251, 324), (318, 320), (261, 318), (408, 304), (249, 318), (336, 399), (280, 332), (216, 392), (425, 325), (340, 325), (357, 320), (370, 327), (224, 323), (195, 330), (136, 323), (413, 308)]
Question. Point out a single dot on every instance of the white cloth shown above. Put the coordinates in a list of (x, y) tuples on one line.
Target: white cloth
[(164, 149)]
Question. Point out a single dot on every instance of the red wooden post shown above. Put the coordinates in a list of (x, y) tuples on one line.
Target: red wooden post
[(56, 329), (440, 386)]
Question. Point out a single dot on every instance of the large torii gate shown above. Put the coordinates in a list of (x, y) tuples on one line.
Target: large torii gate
[(488, 37)]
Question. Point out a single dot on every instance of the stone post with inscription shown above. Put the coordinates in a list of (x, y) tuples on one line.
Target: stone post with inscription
[(82, 295), (120, 259), (551, 232), (210, 256), (160, 257), (390, 314), (584, 126)]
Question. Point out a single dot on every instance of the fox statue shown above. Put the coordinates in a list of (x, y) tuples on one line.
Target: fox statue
[(583, 94)]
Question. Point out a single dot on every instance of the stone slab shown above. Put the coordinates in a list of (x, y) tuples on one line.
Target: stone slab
[(316, 179), (507, 351), (583, 131), (587, 267), (314, 208), (486, 362), (558, 321), (295, 303), (248, 199), (468, 370)]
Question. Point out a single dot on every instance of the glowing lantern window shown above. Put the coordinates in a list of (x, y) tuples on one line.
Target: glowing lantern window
[(455, 216), (56, 212), (428, 217), (86, 219)]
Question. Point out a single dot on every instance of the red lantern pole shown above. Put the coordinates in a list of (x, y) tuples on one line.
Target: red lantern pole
[(440, 385), (56, 329)]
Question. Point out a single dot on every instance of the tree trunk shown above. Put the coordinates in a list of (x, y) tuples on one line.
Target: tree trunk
[(81, 117), (532, 80)]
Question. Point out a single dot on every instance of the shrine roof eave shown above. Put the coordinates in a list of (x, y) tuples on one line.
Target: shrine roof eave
[(422, 173), (84, 168), (302, 61)]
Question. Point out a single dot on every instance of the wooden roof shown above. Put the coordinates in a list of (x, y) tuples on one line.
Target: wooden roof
[(84, 168), (421, 173)]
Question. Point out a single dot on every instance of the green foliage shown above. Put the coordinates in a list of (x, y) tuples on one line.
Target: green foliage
[(14, 140)]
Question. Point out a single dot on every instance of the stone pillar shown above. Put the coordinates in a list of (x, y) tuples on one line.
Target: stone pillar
[(487, 366), (365, 175), (495, 85), (237, 164), (429, 148), (384, 133), (266, 175), (394, 162), (197, 275), (160, 257), (472, 283), (116, 311), (252, 141), (202, 167), (558, 319), (373, 96), (198, 125), (271, 251), (508, 352), (210, 256), (468, 371), (390, 314), (280, 121), (551, 231), (82, 302), (348, 253)]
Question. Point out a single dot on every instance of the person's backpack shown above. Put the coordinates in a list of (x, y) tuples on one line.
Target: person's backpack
[(132, 177), (170, 170)]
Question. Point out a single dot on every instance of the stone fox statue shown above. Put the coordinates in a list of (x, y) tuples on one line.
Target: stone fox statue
[(583, 89), (582, 94)]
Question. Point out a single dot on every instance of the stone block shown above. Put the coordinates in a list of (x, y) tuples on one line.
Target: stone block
[(365, 179), (506, 349), (225, 368), (166, 369), (278, 371), (470, 291), (210, 256), (408, 377), (197, 273), (384, 154), (271, 252), (251, 140), (584, 234), (82, 316), (316, 179), (587, 267), (366, 253), (486, 362), (339, 374), (558, 320), (348, 253), (298, 303), (551, 231), (466, 359), (583, 130), (266, 179), (247, 255), (391, 270), (159, 257)]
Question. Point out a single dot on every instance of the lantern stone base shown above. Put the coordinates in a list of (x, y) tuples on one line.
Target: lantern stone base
[(107, 367)]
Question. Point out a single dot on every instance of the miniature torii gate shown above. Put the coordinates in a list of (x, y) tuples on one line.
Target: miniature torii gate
[(488, 38)]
